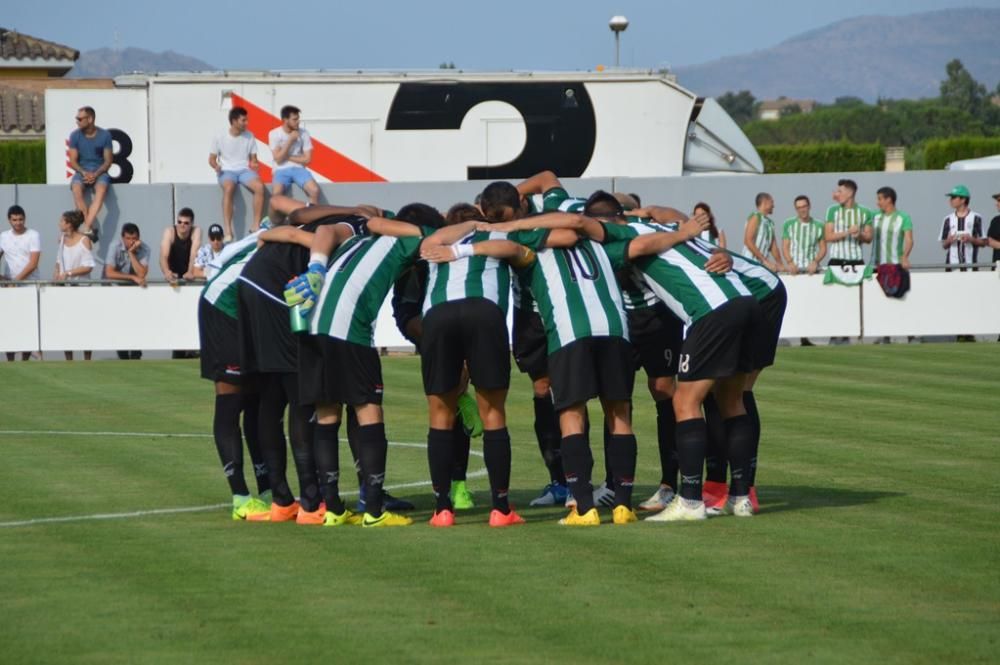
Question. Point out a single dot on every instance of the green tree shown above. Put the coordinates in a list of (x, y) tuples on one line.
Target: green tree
[(446, 65), (963, 92), (739, 105)]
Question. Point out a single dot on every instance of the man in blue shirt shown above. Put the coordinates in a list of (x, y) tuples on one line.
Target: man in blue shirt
[(90, 157)]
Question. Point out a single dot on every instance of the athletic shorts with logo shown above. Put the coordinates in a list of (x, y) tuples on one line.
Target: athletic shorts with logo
[(591, 367), (720, 343), (657, 335), (334, 371), (772, 310), (470, 330), (220, 356), (531, 351)]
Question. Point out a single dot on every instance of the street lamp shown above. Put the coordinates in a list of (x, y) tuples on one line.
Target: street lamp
[(617, 25)]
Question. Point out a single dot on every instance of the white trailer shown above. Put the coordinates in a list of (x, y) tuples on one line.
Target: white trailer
[(413, 127)]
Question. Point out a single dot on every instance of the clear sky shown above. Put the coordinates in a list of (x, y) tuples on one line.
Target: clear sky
[(497, 35)]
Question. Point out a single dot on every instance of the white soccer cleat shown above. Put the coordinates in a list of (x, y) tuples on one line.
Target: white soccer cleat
[(604, 496), (659, 500), (680, 510), (739, 506)]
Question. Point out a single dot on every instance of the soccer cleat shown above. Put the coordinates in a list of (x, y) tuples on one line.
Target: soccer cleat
[(277, 513), (442, 518), (714, 494), (739, 506), (589, 518), (659, 500), (468, 411), (265, 497), (461, 497), (604, 496), (346, 518), (680, 511), (552, 494), (623, 515), (244, 507), (385, 519), (389, 502), (753, 500), (498, 519), (315, 518)]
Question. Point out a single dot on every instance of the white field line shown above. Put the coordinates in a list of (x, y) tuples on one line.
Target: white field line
[(189, 509)]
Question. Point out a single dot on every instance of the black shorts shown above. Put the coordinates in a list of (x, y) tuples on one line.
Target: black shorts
[(591, 367), (531, 351), (720, 343), (333, 371), (220, 353), (657, 335), (845, 262), (266, 341), (772, 311), (473, 331)]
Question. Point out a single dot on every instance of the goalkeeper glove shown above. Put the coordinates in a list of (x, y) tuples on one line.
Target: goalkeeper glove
[(304, 290)]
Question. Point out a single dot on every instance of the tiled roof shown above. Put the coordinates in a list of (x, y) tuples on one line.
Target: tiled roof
[(14, 45), (21, 111)]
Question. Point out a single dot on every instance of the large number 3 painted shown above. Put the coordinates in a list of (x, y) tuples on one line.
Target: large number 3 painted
[(581, 263)]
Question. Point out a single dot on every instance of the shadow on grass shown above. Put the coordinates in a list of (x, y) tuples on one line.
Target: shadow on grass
[(779, 498)]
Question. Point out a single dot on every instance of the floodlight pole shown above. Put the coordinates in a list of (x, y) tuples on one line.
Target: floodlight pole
[(618, 24)]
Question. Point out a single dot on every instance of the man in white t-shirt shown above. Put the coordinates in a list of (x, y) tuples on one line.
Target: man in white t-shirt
[(234, 158), (292, 149), (20, 247)]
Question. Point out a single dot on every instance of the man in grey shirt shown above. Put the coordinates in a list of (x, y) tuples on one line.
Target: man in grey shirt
[(128, 259)]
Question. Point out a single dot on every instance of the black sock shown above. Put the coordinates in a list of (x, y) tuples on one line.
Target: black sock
[(739, 439), (301, 434), (228, 442), (622, 451), (496, 454), (549, 441), (251, 434), (352, 442), (373, 448), (460, 451), (666, 438), (439, 460), (609, 476), (750, 404), (273, 446), (691, 435), (579, 463), (715, 449), (327, 449)]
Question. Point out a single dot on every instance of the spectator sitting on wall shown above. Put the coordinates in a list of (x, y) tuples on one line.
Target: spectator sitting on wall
[(234, 158), (75, 258), (90, 157), (962, 232), (178, 247), (128, 259), (208, 253), (292, 150), (21, 247)]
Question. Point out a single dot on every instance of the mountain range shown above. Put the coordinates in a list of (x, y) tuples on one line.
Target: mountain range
[(897, 57), (106, 63)]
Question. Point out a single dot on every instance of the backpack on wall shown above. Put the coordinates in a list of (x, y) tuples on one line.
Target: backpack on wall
[(894, 279)]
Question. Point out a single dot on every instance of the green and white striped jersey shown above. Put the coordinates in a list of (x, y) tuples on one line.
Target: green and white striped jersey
[(477, 276), (360, 276), (556, 199), (889, 233), (221, 290), (577, 294), (803, 239), (677, 276), (848, 249), (764, 237)]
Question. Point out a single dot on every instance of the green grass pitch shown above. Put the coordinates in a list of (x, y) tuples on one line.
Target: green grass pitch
[(878, 539)]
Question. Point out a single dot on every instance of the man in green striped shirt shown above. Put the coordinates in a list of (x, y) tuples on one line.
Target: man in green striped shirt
[(758, 234), (848, 225), (893, 231), (802, 238)]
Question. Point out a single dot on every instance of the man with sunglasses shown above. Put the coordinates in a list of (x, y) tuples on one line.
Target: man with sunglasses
[(90, 158), (179, 246)]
